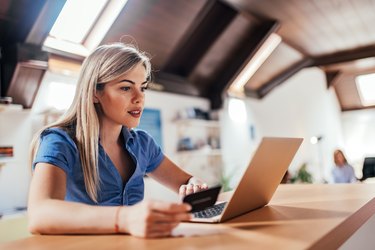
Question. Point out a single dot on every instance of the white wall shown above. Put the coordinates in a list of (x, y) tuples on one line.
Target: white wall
[(359, 137), (170, 105), (15, 130), (301, 107)]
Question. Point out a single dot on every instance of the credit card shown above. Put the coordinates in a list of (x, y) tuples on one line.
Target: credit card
[(202, 199)]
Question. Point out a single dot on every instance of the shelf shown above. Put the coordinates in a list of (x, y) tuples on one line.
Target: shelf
[(200, 152), (7, 159), (13, 109), (199, 122), (10, 107)]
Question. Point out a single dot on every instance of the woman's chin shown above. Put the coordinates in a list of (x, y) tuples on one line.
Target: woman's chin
[(131, 125)]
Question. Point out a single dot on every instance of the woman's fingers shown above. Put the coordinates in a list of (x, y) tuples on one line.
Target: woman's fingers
[(182, 191), (159, 234), (163, 219), (169, 208), (158, 217), (154, 218), (189, 189), (162, 229)]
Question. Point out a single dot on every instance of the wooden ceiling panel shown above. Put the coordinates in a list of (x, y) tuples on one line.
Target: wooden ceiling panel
[(352, 66), (4, 8), (156, 26), (347, 94), (318, 27), (216, 17), (222, 50), (16, 19), (282, 58)]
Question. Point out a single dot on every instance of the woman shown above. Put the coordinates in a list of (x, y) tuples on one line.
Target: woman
[(89, 166), (342, 171)]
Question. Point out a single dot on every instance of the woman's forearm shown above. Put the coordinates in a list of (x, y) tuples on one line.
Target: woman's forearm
[(62, 217), (170, 175)]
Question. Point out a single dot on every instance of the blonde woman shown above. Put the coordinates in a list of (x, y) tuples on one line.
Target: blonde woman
[(88, 167)]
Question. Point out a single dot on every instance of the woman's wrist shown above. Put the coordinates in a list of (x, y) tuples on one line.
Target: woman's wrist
[(117, 219)]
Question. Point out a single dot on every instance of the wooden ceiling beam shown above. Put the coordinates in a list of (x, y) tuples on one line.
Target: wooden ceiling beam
[(21, 17), (253, 93), (343, 109), (280, 78), (6, 18), (244, 52), (332, 77), (344, 56), (211, 21), (162, 81)]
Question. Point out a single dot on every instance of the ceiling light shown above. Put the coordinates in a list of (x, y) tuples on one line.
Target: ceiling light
[(237, 110), (255, 62), (366, 89)]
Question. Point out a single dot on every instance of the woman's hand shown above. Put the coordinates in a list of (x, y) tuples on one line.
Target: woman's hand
[(194, 185), (152, 219)]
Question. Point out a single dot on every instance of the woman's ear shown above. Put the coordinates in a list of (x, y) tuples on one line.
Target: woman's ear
[(96, 99)]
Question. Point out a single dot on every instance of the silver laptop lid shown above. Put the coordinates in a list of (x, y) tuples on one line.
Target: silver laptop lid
[(262, 176)]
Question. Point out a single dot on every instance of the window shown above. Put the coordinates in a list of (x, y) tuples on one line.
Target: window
[(237, 87), (82, 24), (75, 20), (366, 89)]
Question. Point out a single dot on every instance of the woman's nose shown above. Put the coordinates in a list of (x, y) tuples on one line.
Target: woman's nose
[(138, 96)]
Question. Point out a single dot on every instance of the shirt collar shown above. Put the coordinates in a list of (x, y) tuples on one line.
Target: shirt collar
[(127, 135)]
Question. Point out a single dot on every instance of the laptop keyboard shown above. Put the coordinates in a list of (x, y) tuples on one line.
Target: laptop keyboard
[(211, 211)]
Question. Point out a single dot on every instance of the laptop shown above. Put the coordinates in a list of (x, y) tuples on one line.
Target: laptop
[(258, 183)]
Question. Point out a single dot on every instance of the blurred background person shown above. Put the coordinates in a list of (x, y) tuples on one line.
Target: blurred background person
[(342, 172)]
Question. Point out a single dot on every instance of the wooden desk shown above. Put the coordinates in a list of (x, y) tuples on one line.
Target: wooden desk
[(298, 217)]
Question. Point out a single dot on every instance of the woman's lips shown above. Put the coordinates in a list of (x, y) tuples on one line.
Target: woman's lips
[(135, 113)]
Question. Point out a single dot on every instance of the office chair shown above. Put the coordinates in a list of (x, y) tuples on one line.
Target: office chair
[(368, 169)]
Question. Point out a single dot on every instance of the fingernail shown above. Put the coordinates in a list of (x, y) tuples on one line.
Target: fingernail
[(188, 207)]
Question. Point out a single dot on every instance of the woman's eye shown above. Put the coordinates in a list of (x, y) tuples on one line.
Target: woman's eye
[(144, 88), (125, 88)]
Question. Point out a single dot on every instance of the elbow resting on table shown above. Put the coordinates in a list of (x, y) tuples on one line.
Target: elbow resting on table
[(37, 222), (34, 223)]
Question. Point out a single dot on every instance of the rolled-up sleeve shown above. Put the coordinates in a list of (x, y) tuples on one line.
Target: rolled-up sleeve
[(56, 148)]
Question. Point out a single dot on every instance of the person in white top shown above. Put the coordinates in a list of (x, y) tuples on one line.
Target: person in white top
[(342, 172)]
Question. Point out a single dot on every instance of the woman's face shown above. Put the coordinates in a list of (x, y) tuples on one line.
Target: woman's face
[(340, 158), (122, 99)]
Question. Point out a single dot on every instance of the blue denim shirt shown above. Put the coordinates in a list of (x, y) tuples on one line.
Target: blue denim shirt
[(58, 148)]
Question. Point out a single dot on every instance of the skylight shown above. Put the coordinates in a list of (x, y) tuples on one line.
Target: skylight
[(366, 87), (237, 87), (76, 19), (81, 25)]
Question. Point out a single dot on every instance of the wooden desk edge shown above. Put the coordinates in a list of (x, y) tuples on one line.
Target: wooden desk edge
[(335, 238)]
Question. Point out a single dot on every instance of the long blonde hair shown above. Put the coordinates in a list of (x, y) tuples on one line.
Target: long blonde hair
[(104, 64)]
